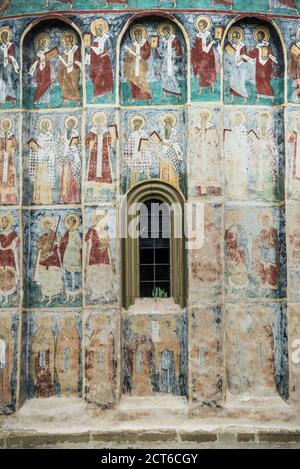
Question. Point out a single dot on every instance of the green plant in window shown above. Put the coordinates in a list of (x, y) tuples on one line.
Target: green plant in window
[(159, 293)]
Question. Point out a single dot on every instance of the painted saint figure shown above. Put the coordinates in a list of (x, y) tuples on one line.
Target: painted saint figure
[(4, 4), (71, 257), (99, 143), (69, 68), (236, 251), (229, 3), (99, 59), (266, 252), (170, 52), (206, 166), (41, 163), (136, 64), (204, 55), (294, 66), (99, 264), (9, 263), (264, 60), (294, 141), (137, 157), (9, 68), (167, 150), (289, 4), (41, 70), (265, 156), (69, 150), (48, 262), (8, 175), (237, 157), (239, 67)]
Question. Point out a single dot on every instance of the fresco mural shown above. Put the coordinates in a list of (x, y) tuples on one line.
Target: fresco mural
[(9, 324), (206, 60), (294, 369), (101, 329), (153, 148), (253, 64), (9, 259), (254, 149), (206, 355), (101, 253), (10, 7), (102, 137), (53, 258), (53, 354), (255, 254), (53, 63), (154, 354), (206, 263), (78, 126), (293, 238), (204, 152), (10, 68), (293, 178), (153, 64), (52, 159), (9, 159), (256, 349), (100, 60)]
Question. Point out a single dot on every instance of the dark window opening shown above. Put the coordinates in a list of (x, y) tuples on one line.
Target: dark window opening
[(154, 249)]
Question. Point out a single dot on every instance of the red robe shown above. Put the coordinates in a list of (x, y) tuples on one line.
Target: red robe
[(225, 2), (43, 79), (204, 63), (137, 92), (69, 191), (289, 3), (7, 258), (99, 252), (101, 72), (263, 73), (268, 270), (49, 256), (92, 139)]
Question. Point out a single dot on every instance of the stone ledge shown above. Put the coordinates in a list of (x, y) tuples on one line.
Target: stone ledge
[(34, 439)]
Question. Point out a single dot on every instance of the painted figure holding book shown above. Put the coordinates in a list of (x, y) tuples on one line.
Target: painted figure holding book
[(136, 64), (9, 67), (42, 71)]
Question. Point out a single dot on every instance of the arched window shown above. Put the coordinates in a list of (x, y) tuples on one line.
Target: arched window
[(153, 252)]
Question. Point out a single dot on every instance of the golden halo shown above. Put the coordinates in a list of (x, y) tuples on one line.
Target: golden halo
[(103, 23), (203, 18), (135, 117), (266, 213), (49, 220), (169, 115), (7, 30), (263, 113), (72, 215), (207, 110), (162, 25), (100, 116), (68, 33), (45, 119), (262, 29), (236, 29), (71, 118), (142, 28), (10, 218), (238, 113), (40, 35), (6, 119)]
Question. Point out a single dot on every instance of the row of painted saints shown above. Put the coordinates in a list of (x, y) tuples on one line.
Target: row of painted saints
[(54, 160), (58, 263), (149, 58)]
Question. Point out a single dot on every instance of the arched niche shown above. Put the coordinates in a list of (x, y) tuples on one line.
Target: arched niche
[(254, 63), (52, 65), (153, 62)]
